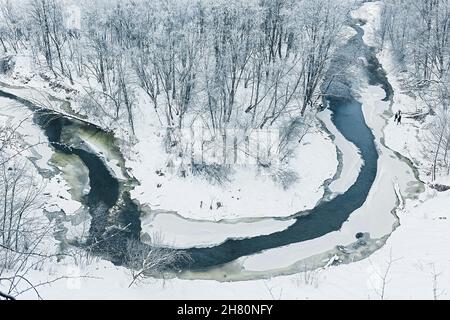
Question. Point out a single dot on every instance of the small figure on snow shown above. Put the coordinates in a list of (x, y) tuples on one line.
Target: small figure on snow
[(399, 117)]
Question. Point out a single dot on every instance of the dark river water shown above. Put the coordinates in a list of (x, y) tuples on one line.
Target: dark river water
[(326, 217)]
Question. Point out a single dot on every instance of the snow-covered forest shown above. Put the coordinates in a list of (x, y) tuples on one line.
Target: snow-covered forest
[(230, 149), (217, 64)]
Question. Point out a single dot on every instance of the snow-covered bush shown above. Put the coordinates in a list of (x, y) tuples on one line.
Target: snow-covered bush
[(6, 64)]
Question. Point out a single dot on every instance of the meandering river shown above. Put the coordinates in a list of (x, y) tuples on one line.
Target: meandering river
[(107, 198)]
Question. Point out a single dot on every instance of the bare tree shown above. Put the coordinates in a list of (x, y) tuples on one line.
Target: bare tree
[(435, 280), (438, 142), (151, 259), (384, 276), (23, 228)]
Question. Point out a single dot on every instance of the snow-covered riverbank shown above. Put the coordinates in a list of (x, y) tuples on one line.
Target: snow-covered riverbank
[(261, 197), (177, 232), (247, 194), (415, 249), (248, 203)]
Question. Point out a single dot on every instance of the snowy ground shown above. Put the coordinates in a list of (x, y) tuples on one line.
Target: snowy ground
[(247, 195), (415, 250), (409, 138), (249, 203), (58, 192), (351, 158)]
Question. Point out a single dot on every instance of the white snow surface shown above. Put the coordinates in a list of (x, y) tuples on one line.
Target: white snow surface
[(247, 195), (177, 232), (351, 158)]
